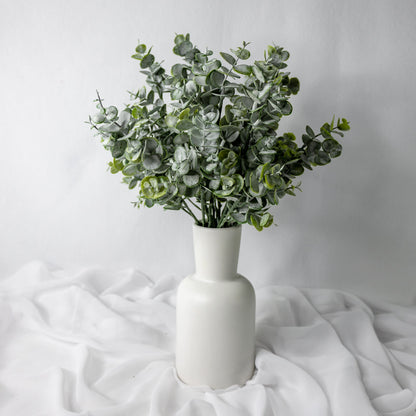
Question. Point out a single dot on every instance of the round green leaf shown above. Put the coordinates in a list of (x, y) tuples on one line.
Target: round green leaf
[(326, 131), (118, 149), (136, 112), (258, 74), (310, 132), (197, 137), (133, 183), (242, 53), (322, 158), (171, 120), (296, 169), (176, 94), (98, 118), (239, 183), (227, 57), (254, 183), (191, 179), (285, 108), (151, 162), (185, 47), (201, 57), (210, 66), (111, 112), (181, 139), (243, 69), (227, 182), (215, 79), (184, 113), (255, 220), (332, 147), (214, 184), (212, 116), (147, 61), (232, 137), (180, 154), (228, 158), (306, 139), (201, 80), (151, 146), (191, 88), (313, 146), (223, 193), (179, 39), (115, 166), (266, 220), (344, 125), (149, 203), (185, 124), (212, 135), (247, 102), (141, 48), (183, 168), (179, 70), (239, 216), (130, 170), (294, 85), (154, 187)]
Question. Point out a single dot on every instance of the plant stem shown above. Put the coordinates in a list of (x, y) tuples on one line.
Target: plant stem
[(218, 213), (214, 212), (208, 213), (226, 212), (203, 207), (188, 210), (195, 205), (100, 101)]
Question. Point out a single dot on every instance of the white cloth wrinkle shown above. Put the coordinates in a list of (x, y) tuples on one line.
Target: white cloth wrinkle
[(96, 342), (354, 327)]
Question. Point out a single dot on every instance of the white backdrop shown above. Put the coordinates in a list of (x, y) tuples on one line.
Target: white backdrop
[(351, 228)]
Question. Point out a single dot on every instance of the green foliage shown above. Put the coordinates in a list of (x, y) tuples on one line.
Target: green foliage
[(203, 137)]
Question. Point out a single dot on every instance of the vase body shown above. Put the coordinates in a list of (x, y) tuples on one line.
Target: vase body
[(215, 340)]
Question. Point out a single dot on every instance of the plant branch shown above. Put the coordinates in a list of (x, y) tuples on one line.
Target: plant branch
[(203, 207), (193, 203), (100, 101), (226, 212), (188, 210)]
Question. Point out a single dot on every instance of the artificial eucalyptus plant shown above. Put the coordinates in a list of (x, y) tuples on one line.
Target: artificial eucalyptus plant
[(203, 138)]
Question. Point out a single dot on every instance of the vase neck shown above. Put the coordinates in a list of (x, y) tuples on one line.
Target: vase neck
[(216, 252)]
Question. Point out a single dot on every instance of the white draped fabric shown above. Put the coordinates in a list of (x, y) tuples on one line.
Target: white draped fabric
[(96, 343)]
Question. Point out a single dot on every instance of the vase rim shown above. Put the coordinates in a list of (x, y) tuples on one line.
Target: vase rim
[(216, 228)]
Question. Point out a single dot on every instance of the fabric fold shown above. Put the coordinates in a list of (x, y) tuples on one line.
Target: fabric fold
[(96, 342)]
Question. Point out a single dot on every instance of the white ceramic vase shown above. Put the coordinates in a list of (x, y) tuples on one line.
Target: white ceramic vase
[(215, 340)]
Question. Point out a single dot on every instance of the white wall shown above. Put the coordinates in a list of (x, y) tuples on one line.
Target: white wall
[(353, 226)]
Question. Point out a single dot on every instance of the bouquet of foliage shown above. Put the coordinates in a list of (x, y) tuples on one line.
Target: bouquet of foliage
[(203, 138)]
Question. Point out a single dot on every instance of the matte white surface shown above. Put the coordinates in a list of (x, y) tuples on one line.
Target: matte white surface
[(95, 343), (215, 314), (351, 228), (216, 252)]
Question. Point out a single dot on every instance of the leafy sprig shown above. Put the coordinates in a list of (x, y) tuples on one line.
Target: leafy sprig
[(203, 138)]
